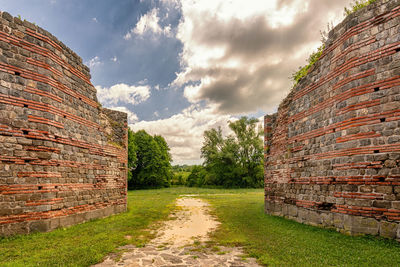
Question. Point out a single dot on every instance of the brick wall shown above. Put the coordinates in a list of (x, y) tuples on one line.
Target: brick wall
[(332, 151), (63, 158)]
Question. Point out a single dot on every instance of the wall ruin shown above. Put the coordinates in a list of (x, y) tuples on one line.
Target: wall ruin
[(63, 158), (332, 151)]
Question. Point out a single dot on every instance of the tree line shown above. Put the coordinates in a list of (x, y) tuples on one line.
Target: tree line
[(232, 161)]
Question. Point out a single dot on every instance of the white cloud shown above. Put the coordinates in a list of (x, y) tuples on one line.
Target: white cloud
[(94, 20), (149, 23), (239, 54), (184, 131), (94, 62), (123, 93), (114, 59)]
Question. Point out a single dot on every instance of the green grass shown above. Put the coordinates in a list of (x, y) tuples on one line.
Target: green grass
[(276, 241), (273, 240), (88, 243)]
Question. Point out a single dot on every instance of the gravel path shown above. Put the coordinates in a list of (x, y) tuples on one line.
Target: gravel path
[(183, 242)]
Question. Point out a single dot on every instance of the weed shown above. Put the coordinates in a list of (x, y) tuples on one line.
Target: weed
[(357, 5)]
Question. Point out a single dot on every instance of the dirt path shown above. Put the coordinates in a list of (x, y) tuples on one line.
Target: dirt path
[(182, 242)]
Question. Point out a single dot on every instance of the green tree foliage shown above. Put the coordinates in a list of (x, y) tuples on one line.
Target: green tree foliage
[(132, 159), (197, 177), (150, 163), (234, 161)]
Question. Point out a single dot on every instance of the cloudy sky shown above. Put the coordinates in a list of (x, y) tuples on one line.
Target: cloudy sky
[(180, 67)]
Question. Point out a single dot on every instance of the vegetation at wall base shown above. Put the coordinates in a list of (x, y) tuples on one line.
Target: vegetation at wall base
[(277, 241), (88, 243), (274, 241)]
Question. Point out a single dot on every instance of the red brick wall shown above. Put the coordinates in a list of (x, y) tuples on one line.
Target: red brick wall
[(332, 151), (63, 158)]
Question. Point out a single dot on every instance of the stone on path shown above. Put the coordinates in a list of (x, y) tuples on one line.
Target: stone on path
[(182, 242)]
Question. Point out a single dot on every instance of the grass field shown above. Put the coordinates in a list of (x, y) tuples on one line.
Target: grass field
[(276, 241), (273, 240)]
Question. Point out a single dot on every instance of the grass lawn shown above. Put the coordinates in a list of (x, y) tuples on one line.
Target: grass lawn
[(273, 240), (88, 243), (276, 241)]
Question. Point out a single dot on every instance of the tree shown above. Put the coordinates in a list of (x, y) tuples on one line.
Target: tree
[(151, 164), (249, 150), (196, 177), (165, 158), (132, 159), (235, 161)]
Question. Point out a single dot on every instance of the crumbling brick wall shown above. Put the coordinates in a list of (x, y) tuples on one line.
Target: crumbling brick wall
[(63, 158), (332, 151)]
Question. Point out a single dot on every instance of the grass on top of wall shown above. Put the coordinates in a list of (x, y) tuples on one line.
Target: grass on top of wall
[(276, 241)]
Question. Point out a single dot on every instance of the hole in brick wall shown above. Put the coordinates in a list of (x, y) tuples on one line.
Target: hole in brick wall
[(25, 132), (376, 89), (80, 98), (325, 206), (376, 151), (397, 49), (334, 130), (27, 160), (383, 119), (381, 179), (290, 201), (333, 179), (25, 105), (40, 187), (56, 187), (17, 73), (65, 116)]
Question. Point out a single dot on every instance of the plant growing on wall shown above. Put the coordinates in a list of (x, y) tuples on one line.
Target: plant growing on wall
[(313, 58), (357, 5)]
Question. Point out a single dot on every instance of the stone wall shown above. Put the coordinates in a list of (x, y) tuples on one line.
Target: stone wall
[(332, 151), (63, 158)]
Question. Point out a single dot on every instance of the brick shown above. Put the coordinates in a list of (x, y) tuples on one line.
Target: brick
[(342, 124), (57, 166)]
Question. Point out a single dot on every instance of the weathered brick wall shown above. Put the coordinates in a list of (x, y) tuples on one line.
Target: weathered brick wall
[(332, 151), (63, 158)]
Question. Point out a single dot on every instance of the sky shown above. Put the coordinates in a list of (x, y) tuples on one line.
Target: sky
[(180, 67)]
